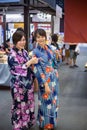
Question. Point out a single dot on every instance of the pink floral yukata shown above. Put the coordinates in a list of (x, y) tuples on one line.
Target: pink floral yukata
[(21, 90)]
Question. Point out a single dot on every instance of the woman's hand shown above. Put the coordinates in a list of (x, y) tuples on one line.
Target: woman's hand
[(34, 60), (35, 85), (47, 89)]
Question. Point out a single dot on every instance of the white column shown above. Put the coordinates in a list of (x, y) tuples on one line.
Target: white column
[(57, 19)]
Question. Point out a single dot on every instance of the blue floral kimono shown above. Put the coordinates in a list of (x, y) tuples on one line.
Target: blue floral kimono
[(22, 90), (47, 104)]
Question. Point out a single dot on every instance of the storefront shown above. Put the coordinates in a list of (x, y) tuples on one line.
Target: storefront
[(24, 9)]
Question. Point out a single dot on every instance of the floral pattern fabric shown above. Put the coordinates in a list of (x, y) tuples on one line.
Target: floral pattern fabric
[(22, 90), (47, 104)]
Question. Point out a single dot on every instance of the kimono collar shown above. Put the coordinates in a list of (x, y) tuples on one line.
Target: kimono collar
[(46, 49), (41, 48), (17, 50)]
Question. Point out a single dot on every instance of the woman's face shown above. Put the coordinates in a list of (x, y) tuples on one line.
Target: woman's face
[(41, 40), (21, 44)]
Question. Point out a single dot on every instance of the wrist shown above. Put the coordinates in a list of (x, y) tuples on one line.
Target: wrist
[(46, 85), (28, 63)]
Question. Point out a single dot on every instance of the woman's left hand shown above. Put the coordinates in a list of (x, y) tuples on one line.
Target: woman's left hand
[(47, 89)]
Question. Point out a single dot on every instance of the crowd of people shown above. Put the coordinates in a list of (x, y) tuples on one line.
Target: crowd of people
[(70, 53)]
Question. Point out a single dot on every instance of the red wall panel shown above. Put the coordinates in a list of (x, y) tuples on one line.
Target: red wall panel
[(75, 21)]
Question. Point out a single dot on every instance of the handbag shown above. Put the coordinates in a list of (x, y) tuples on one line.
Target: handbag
[(77, 50)]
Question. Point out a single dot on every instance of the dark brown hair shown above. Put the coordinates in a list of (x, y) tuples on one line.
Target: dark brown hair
[(41, 32), (17, 36), (20, 29), (54, 38)]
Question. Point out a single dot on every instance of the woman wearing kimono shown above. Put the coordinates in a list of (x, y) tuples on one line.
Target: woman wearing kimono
[(22, 88), (48, 102)]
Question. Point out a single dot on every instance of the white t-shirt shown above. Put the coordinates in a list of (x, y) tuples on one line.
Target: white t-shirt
[(66, 46)]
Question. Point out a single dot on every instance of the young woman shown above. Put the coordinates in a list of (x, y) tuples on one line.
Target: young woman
[(22, 86), (47, 76), (55, 47)]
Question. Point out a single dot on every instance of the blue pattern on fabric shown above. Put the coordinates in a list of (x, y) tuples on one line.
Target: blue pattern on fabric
[(47, 104)]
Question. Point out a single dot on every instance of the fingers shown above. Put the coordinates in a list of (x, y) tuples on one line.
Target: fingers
[(34, 60)]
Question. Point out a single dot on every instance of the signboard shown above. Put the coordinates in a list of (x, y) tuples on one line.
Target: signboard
[(9, 1)]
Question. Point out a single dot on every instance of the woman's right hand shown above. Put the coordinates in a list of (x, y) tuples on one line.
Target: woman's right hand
[(33, 60)]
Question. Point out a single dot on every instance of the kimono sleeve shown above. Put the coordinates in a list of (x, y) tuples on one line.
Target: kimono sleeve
[(16, 68), (40, 68), (41, 74)]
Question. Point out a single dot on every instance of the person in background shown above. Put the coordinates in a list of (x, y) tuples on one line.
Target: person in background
[(2, 48), (22, 84), (67, 53), (20, 29), (33, 40), (48, 83), (54, 41), (63, 53), (73, 56), (56, 50), (7, 46), (76, 53)]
